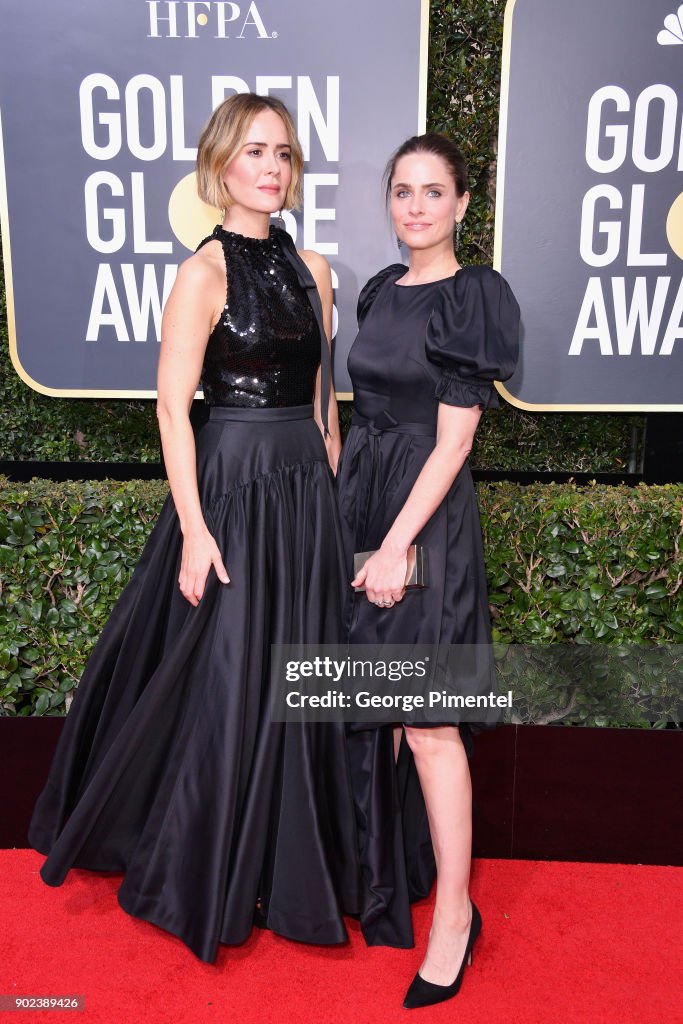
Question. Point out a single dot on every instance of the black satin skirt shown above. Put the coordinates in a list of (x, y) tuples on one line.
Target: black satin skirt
[(168, 767), (376, 473)]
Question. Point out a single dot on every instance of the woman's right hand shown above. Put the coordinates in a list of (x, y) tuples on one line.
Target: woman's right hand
[(200, 552), (195, 302)]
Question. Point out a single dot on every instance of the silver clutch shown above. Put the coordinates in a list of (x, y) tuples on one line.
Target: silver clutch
[(416, 573)]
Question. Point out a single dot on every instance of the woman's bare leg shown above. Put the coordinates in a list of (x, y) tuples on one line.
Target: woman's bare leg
[(444, 775)]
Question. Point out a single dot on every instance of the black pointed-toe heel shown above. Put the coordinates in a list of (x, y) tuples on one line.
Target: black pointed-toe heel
[(425, 993)]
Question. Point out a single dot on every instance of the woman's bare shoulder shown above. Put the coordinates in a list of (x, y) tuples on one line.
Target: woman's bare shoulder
[(204, 267)]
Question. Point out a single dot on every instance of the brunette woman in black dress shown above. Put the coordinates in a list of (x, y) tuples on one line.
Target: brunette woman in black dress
[(433, 337)]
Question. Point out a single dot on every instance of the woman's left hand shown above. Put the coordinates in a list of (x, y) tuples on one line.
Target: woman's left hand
[(384, 576)]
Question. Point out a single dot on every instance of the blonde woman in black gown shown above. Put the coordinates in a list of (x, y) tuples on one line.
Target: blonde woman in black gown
[(169, 767), (433, 337)]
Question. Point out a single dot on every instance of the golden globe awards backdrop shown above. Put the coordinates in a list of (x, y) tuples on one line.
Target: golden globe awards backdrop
[(101, 106), (589, 216)]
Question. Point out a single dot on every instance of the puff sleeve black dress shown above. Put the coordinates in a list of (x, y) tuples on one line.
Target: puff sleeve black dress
[(418, 345)]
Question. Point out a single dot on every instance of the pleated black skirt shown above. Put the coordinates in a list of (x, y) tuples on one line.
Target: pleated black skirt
[(168, 767)]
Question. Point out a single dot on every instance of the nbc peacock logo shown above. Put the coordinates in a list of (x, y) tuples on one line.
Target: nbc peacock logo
[(672, 33)]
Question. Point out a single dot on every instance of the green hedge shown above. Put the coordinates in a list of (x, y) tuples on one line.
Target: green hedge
[(580, 567)]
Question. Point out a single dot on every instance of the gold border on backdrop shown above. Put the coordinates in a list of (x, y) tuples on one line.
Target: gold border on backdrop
[(11, 321), (498, 243), (423, 68)]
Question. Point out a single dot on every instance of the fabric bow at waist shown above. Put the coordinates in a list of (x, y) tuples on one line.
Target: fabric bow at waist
[(370, 482), (384, 422)]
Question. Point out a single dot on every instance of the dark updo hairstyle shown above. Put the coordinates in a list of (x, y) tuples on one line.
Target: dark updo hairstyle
[(438, 145)]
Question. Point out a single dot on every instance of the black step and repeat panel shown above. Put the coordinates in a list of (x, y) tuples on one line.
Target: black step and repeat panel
[(589, 216), (101, 106)]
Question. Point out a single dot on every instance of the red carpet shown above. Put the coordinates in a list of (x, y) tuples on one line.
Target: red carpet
[(561, 943)]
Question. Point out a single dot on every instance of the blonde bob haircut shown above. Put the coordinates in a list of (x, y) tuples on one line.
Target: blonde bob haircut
[(221, 140)]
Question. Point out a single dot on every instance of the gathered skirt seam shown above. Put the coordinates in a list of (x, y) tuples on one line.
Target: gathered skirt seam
[(234, 488)]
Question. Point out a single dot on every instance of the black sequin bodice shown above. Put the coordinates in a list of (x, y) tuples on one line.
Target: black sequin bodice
[(265, 350)]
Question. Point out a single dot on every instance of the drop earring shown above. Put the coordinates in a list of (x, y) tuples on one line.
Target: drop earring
[(399, 243), (458, 228), (280, 220)]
